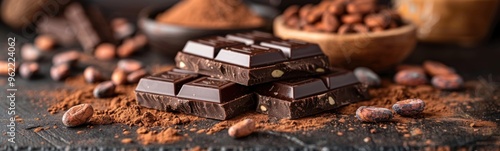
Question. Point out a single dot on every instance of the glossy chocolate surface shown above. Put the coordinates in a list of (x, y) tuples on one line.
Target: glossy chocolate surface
[(183, 91), (253, 37), (250, 55), (294, 49), (208, 47)]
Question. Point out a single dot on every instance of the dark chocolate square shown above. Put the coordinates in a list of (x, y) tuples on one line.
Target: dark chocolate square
[(208, 47), (294, 49), (212, 90), (253, 37), (250, 55)]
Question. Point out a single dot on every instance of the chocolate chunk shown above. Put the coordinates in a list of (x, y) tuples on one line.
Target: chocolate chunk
[(58, 28), (251, 76), (211, 89), (293, 89), (208, 47), (294, 49), (165, 83), (205, 97), (254, 37), (90, 26), (254, 64), (339, 79), (309, 96), (250, 56), (219, 111)]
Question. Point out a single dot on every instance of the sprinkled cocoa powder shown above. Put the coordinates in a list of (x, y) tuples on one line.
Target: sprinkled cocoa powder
[(123, 109), (436, 101)]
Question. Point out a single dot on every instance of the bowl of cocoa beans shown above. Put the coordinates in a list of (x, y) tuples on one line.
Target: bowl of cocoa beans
[(351, 33)]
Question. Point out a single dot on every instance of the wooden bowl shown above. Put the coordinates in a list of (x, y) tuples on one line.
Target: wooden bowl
[(378, 51)]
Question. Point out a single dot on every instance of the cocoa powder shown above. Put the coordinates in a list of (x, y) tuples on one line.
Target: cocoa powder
[(124, 109), (211, 14)]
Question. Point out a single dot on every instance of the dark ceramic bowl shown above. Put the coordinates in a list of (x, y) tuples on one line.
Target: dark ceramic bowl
[(168, 38)]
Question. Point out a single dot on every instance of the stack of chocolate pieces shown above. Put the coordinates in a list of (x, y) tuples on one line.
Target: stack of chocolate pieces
[(286, 78)]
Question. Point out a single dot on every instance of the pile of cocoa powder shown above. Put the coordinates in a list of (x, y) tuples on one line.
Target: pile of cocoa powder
[(123, 109), (211, 14)]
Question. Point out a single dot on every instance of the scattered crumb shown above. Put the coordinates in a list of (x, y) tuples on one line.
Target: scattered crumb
[(341, 120), (200, 131), (340, 133), (428, 142), (406, 135), (126, 132), (350, 129), (192, 129), (38, 129), (142, 130), (169, 135), (126, 141), (54, 127), (197, 148), (36, 118), (416, 131), (367, 139), (373, 131), (79, 132)]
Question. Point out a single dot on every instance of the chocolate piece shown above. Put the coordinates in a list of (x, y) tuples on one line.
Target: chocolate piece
[(58, 28), (90, 26), (294, 49), (339, 79), (250, 76), (294, 89), (179, 90), (250, 56), (165, 83), (312, 97), (211, 89), (208, 47), (254, 64), (219, 111), (254, 37)]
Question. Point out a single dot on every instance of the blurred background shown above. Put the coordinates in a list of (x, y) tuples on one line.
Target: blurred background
[(447, 30), (130, 8)]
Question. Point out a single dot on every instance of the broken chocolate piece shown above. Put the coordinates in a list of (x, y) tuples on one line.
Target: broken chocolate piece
[(339, 79), (252, 64), (294, 89), (178, 90), (90, 26), (310, 96), (58, 28), (166, 83), (251, 76)]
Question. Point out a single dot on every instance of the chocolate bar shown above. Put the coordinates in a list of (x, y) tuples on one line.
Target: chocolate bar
[(90, 26), (270, 60), (292, 99), (58, 28), (187, 92)]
